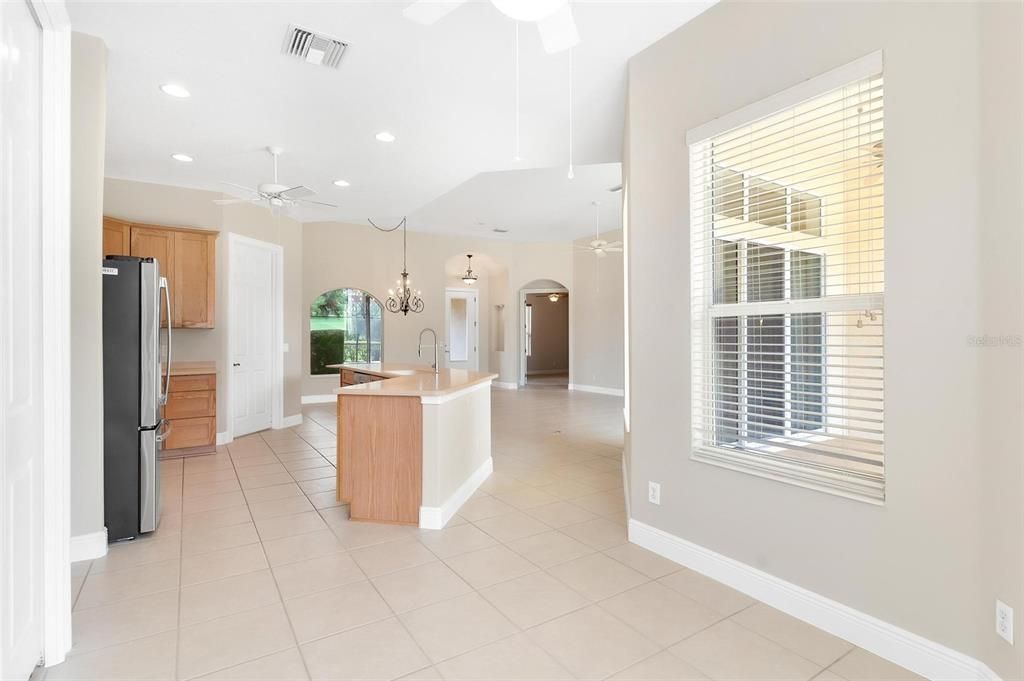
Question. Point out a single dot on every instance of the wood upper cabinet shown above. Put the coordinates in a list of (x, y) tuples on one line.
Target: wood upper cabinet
[(187, 259), (148, 242), (194, 279), (116, 237)]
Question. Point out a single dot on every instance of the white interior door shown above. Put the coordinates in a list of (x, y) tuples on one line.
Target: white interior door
[(461, 329), (252, 333), (21, 405)]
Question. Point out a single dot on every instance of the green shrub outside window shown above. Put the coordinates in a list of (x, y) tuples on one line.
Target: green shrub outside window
[(344, 326)]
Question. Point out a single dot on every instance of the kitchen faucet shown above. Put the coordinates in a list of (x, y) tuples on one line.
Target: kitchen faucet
[(419, 347)]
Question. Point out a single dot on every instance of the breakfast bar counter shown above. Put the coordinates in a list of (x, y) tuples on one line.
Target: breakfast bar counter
[(413, 444)]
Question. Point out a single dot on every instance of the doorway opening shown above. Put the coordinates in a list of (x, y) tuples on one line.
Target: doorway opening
[(545, 342), (461, 329)]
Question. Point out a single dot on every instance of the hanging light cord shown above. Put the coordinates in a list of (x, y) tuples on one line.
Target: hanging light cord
[(571, 173), (517, 157), (391, 229)]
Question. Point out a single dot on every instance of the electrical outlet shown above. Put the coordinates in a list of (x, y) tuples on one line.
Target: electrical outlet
[(654, 492), (1004, 621)]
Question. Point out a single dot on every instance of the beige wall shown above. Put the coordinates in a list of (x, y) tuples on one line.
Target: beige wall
[(337, 255), (176, 206), (88, 134), (597, 309), (947, 542), (550, 335)]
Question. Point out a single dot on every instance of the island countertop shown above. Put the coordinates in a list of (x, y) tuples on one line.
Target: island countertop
[(411, 380)]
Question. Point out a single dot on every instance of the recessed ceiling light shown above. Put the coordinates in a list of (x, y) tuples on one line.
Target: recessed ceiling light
[(175, 90), (385, 136), (340, 183), (184, 158)]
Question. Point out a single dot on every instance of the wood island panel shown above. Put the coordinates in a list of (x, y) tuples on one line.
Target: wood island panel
[(380, 457)]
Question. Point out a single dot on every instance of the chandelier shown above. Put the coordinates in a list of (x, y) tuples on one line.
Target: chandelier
[(403, 298), (469, 278)]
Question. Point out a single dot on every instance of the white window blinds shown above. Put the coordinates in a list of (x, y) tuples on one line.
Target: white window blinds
[(787, 219)]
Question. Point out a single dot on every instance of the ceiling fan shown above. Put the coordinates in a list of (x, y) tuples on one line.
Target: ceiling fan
[(275, 194), (600, 247), (553, 17)]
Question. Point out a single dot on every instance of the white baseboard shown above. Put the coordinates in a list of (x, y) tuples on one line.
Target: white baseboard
[(505, 385), (89, 546), (436, 517), (291, 421), (918, 654), (224, 439), (617, 392), (319, 399)]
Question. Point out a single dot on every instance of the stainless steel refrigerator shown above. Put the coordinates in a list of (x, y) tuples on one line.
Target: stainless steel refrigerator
[(134, 389)]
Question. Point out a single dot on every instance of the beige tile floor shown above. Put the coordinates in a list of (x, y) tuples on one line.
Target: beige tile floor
[(257, 573)]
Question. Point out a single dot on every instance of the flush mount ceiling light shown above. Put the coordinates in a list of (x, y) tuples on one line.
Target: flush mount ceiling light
[(469, 278), (385, 136), (402, 299), (175, 90), (340, 183), (183, 158), (553, 297)]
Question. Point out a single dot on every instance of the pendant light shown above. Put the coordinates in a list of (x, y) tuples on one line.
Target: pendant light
[(402, 299), (469, 278)]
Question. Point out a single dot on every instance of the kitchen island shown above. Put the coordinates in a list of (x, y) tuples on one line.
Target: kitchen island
[(413, 445)]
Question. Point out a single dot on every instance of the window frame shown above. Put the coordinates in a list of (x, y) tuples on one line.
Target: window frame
[(309, 330), (706, 392)]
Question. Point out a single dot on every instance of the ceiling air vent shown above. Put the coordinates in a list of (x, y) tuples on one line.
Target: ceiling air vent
[(314, 48)]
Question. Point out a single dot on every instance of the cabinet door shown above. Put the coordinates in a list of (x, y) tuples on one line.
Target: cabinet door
[(150, 242), (194, 277), (116, 237)]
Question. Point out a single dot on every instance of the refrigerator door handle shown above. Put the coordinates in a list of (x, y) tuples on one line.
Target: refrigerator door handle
[(165, 292), (163, 431)]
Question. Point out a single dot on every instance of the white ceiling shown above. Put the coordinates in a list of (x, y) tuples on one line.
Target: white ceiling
[(534, 205), (446, 91)]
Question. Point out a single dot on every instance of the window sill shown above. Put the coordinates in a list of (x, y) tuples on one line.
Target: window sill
[(864, 488)]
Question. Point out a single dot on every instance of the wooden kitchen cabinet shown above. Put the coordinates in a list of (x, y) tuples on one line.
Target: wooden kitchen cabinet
[(116, 237), (191, 409), (188, 259), (194, 279)]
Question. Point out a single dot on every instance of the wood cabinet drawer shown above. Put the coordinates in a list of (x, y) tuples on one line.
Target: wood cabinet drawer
[(187, 405), (181, 384), (348, 377), (196, 432)]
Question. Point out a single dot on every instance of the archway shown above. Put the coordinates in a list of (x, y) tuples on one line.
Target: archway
[(545, 343)]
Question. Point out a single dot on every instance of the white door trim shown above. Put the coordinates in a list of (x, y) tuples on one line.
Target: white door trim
[(476, 320), (277, 332), (521, 360), (55, 124)]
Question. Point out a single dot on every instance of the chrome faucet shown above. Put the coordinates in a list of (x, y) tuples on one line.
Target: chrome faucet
[(419, 348)]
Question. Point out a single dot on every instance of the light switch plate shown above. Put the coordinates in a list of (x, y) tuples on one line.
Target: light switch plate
[(284, 347), (654, 493)]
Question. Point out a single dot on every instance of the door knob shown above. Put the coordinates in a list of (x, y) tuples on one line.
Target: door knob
[(236, 364)]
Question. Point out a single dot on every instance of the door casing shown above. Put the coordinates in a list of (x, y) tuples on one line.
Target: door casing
[(472, 300)]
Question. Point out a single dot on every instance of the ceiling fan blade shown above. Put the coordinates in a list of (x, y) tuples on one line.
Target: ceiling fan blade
[(428, 12), (558, 31), (228, 202), (613, 244), (296, 193), (613, 250), (238, 186), (318, 203)]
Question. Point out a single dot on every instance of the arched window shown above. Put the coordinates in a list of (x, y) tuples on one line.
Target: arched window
[(344, 326)]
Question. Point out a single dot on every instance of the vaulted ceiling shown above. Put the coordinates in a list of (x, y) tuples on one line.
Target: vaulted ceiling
[(447, 92)]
